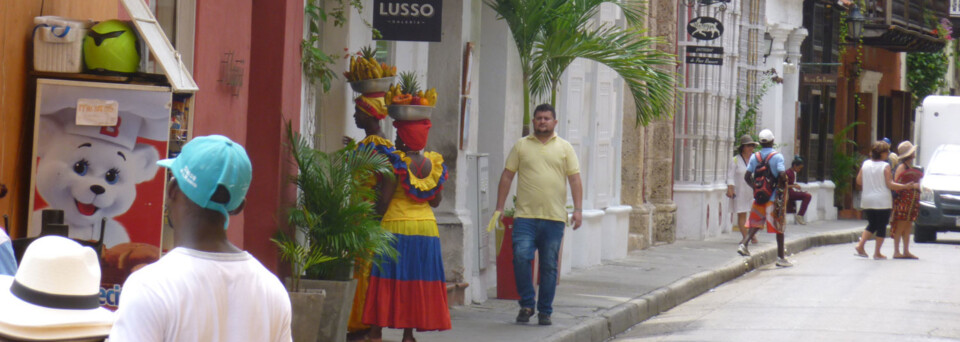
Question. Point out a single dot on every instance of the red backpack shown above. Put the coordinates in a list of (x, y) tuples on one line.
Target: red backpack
[(764, 183)]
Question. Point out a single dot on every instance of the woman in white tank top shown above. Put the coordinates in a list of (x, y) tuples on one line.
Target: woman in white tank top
[(875, 199)]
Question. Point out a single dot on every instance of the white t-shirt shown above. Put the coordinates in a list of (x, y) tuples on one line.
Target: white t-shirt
[(189, 295), (876, 194)]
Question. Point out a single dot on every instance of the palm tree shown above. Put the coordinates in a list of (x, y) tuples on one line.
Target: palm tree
[(526, 19), (559, 31)]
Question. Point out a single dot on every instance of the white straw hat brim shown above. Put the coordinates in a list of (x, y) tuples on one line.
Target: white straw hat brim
[(22, 320)]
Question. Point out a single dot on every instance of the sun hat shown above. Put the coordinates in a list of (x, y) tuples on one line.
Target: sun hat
[(210, 162), (766, 136), (906, 149), (55, 294), (746, 139)]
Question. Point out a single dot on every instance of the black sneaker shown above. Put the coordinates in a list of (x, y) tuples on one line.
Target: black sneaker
[(544, 319), (524, 315)]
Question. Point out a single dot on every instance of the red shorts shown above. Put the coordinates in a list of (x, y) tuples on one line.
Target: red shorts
[(761, 216)]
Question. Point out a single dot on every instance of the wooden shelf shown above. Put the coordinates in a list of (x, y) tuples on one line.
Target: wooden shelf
[(139, 78)]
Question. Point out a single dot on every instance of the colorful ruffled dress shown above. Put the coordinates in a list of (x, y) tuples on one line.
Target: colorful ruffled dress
[(361, 270), (411, 291)]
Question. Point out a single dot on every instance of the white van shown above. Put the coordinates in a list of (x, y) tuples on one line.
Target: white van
[(939, 195), (937, 136), (937, 123)]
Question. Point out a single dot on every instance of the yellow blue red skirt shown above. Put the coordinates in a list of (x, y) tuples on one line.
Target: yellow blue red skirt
[(410, 293)]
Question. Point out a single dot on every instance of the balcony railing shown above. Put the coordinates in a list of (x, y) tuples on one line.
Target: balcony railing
[(904, 25)]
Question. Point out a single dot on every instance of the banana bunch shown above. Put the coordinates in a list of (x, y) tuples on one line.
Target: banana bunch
[(362, 68)]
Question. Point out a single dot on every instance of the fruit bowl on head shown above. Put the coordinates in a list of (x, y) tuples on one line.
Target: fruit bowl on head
[(409, 112), (374, 85)]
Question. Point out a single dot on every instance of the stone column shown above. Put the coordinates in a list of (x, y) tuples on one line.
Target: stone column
[(772, 111), (459, 26), (658, 137), (870, 83), (791, 91), (631, 177)]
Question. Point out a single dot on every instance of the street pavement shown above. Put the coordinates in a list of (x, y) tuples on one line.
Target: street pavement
[(596, 303), (830, 295)]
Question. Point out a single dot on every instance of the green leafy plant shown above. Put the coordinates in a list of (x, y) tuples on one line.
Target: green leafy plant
[(844, 163), (334, 213), (926, 73), (746, 115), (301, 256), (317, 64), (512, 210), (551, 34)]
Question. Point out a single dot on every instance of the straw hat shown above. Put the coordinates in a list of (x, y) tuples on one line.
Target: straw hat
[(746, 139), (906, 149), (55, 294)]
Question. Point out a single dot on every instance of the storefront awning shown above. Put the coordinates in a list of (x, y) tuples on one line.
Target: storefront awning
[(900, 39), (180, 78)]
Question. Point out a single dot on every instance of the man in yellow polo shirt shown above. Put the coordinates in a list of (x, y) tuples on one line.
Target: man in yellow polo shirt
[(545, 163)]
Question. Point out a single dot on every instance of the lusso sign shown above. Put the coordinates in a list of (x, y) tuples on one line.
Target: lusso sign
[(705, 28), (410, 20)]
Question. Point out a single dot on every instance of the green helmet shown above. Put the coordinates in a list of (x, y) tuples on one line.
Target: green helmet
[(112, 46)]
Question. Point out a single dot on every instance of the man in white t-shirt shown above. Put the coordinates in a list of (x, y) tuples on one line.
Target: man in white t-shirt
[(205, 289)]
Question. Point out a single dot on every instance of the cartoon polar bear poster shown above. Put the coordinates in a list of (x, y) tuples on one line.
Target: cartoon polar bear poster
[(95, 172)]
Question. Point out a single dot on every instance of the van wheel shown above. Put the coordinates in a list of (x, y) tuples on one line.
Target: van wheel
[(924, 234)]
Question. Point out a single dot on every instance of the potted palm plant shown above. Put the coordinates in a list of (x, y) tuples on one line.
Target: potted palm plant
[(335, 225), (844, 171)]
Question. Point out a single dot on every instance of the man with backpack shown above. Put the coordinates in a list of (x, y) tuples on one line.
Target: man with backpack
[(766, 174)]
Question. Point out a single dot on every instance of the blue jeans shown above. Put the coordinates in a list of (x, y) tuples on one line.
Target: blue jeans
[(530, 235)]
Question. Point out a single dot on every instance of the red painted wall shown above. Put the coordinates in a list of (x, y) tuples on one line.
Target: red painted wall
[(223, 26), (269, 97), (275, 81)]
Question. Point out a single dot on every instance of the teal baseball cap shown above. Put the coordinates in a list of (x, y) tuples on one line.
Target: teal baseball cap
[(212, 165)]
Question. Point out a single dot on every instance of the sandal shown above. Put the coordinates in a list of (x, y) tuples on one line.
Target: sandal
[(861, 253)]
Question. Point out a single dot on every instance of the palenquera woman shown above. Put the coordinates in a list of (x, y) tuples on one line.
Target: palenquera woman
[(370, 110), (410, 293)]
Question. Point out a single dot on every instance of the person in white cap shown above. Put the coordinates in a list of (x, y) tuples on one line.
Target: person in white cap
[(55, 295), (205, 289), (766, 173)]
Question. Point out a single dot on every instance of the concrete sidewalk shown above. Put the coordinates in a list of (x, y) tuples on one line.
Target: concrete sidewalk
[(596, 303)]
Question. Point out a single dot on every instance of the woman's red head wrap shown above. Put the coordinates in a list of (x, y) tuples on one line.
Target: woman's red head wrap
[(413, 133)]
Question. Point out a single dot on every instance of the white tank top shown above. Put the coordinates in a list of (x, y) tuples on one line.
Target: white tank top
[(875, 193)]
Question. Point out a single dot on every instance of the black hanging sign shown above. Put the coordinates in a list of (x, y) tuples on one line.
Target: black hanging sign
[(705, 28), (409, 20), (704, 60), (705, 49)]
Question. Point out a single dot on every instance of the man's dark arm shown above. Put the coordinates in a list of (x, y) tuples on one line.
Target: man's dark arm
[(747, 177)]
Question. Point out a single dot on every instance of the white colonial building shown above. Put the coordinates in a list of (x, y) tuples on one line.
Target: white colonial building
[(761, 40)]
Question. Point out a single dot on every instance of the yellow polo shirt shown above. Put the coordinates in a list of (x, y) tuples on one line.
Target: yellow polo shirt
[(543, 169)]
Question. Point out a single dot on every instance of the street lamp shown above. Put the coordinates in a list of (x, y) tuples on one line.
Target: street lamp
[(767, 45), (855, 22)]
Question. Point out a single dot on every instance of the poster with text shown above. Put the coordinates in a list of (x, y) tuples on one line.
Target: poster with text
[(96, 147)]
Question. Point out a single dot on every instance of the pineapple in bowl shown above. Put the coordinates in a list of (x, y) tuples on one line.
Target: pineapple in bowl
[(406, 101)]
